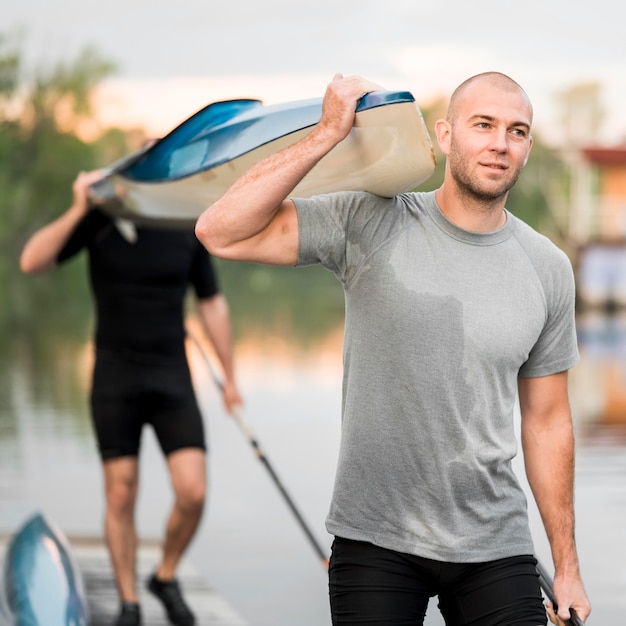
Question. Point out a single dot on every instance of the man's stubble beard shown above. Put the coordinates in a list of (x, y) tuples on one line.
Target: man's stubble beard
[(471, 187)]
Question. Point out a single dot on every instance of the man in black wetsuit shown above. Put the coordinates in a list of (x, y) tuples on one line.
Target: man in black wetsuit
[(139, 280)]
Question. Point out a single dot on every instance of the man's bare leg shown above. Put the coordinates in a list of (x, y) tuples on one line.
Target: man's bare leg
[(188, 474), (187, 468), (121, 477)]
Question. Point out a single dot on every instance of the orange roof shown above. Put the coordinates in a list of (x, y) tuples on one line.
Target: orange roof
[(606, 156)]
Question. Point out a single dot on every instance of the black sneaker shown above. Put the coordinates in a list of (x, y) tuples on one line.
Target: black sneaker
[(130, 615), (168, 591)]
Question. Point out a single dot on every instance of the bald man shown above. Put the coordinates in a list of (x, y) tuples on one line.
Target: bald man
[(454, 309)]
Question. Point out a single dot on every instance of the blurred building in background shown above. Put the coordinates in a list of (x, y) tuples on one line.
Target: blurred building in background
[(601, 227)]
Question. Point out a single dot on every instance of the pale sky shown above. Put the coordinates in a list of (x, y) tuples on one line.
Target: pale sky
[(174, 58)]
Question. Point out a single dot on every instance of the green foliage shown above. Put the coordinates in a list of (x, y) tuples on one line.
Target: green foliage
[(39, 158), (40, 155), (532, 197), (300, 305), (75, 81), (9, 67), (44, 319)]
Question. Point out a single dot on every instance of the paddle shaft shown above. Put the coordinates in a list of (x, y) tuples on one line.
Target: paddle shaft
[(545, 580), (261, 455), (259, 452)]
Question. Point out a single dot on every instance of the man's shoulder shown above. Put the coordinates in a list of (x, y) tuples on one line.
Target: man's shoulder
[(532, 239), (546, 256)]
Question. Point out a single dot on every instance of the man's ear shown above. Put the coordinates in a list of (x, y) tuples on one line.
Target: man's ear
[(442, 132)]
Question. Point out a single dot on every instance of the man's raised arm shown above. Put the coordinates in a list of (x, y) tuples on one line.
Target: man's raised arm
[(253, 221)]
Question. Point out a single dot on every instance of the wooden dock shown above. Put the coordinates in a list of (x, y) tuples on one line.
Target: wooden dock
[(90, 554)]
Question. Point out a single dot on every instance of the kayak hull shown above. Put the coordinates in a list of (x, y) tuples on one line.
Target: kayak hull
[(387, 152)]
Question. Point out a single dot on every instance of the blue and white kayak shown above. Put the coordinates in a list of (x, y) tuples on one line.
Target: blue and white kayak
[(388, 151), (42, 585)]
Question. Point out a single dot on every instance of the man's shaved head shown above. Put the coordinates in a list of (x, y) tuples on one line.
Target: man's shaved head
[(494, 79)]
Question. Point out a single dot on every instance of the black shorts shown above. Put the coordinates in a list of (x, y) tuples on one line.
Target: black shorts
[(130, 391), (375, 586)]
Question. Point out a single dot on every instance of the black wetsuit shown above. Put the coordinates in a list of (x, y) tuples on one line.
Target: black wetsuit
[(141, 373)]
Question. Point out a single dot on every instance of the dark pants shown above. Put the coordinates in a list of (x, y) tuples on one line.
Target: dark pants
[(130, 391), (374, 586)]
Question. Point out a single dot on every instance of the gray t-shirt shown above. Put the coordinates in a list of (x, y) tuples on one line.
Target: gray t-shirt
[(440, 322)]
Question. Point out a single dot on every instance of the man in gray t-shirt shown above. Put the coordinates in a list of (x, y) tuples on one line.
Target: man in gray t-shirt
[(454, 310)]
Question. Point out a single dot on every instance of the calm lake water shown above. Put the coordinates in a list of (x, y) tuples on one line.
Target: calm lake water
[(250, 546)]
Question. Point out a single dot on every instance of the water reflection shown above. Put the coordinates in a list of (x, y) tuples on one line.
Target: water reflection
[(599, 381)]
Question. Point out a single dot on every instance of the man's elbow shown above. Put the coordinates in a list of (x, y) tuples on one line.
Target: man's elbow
[(201, 232), (209, 237), (28, 266), (24, 266), (204, 233)]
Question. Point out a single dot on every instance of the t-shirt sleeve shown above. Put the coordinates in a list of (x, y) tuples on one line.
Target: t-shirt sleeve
[(556, 349), (322, 231), (84, 233), (339, 230), (202, 274)]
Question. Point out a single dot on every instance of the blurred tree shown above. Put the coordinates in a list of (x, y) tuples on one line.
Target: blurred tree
[(9, 66), (40, 154), (538, 196), (582, 113), (301, 306)]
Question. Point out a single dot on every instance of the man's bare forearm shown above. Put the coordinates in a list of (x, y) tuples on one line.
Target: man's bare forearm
[(549, 458), (548, 442), (253, 221), (248, 209)]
